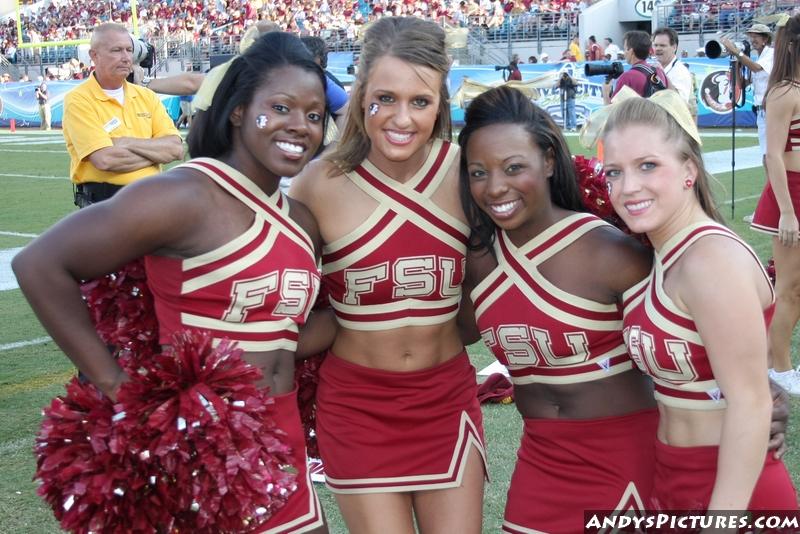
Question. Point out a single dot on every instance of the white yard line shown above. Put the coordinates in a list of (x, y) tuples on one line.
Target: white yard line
[(19, 344), (739, 199), (8, 175), (18, 234), (34, 151)]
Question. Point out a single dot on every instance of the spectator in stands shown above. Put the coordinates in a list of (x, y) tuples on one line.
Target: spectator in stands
[(544, 57), (43, 99), (610, 48), (665, 45), (116, 132), (593, 50), (637, 49), (575, 48)]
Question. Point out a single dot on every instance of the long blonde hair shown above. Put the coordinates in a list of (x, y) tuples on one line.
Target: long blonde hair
[(410, 39), (641, 111)]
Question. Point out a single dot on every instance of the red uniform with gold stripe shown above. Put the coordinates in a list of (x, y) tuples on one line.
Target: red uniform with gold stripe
[(380, 431), (664, 342), (405, 264), (544, 334), (767, 215), (256, 290)]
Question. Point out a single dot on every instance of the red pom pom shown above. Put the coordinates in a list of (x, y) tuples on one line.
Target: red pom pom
[(770, 268), (191, 446), (306, 374), (121, 307), (592, 183), (594, 193)]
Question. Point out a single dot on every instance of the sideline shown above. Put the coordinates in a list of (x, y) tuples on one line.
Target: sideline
[(18, 234), (6, 175), (19, 344)]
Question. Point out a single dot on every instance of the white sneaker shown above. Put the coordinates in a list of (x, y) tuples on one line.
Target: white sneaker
[(748, 218), (788, 380)]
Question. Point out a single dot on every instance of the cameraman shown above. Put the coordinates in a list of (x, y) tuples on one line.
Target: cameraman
[(116, 132), (567, 89), (511, 71), (636, 45)]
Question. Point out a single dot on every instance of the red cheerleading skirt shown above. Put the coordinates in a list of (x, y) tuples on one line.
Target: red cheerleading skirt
[(567, 466), (684, 479), (381, 431), (302, 512), (767, 214)]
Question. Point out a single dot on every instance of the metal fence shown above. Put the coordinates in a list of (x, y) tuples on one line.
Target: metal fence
[(730, 16)]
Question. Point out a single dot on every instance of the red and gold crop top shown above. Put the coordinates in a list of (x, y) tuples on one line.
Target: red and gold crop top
[(256, 290), (404, 265), (793, 140), (540, 332), (663, 340)]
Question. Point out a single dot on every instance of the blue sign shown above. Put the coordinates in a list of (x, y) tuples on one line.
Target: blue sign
[(712, 91)]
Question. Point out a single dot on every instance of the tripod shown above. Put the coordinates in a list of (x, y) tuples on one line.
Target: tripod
[(734, 72)]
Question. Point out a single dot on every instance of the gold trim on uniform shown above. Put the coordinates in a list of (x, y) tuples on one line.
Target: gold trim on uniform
[(471, 439)]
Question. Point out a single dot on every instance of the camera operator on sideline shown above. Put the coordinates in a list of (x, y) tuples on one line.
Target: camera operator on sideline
[(665, 45), (511, 71), (641, 76), (116, 132), (567, 88), (760, 38)]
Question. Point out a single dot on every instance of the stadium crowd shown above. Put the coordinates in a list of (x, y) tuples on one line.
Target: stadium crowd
[(193, 21)]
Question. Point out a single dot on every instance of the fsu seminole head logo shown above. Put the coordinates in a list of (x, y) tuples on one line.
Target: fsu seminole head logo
[(716, 92)]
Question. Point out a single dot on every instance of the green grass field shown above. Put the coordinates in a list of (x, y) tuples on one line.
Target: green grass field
[(34, 171)]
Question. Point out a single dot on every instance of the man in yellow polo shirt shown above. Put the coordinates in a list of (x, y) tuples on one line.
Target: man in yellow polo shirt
[(116, 132)]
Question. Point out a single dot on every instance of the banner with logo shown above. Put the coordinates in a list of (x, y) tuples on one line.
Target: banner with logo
[(712, 90)]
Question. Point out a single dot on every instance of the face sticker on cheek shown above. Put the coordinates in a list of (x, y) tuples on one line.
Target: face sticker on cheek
[(373, 109), (261, 121), (610, 187)]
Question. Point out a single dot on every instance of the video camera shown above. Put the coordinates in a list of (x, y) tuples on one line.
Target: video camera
[(144, 54), (714, 48), (502, 67), (609, 70)]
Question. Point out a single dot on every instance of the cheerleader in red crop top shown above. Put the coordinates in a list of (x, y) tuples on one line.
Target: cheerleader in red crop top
[(548, 282), (698, 323), (398, 422), (225, 251), (778, 209)]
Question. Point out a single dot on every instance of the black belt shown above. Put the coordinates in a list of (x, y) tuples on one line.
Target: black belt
[(97, 191)]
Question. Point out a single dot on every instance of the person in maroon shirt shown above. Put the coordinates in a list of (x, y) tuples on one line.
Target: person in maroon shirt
[(594, 52), (514, 73), (636, 46)]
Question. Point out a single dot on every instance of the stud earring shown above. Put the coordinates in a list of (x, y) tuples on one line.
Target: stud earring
[(687, 184), (261, 121)]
